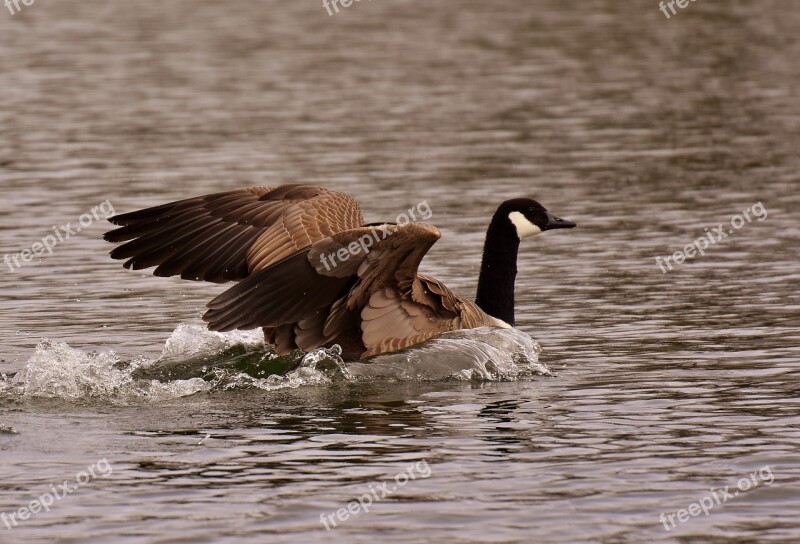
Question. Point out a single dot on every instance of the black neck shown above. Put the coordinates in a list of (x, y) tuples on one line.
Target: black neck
[(498, 270)]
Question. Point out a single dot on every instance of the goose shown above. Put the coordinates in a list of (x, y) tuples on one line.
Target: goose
[(307, 276)]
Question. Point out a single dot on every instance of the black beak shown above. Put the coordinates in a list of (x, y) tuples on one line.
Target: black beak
[(554, 222)]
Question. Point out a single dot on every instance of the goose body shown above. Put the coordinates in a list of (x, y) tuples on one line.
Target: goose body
[(281, 245)]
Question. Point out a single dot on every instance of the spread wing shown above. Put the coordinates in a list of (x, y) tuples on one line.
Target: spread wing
[(365, 277), (228, 236)]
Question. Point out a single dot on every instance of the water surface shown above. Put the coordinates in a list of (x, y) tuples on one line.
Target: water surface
[(643, 130)]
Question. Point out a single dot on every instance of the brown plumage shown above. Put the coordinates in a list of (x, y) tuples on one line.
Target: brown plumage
[(228, 236), (273, 240)]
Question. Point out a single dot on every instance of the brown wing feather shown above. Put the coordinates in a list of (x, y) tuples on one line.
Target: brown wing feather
[(228, 236), (404, 316)]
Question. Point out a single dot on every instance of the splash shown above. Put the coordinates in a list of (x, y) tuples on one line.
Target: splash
[(196, 360), (484, 354), (58, 371)]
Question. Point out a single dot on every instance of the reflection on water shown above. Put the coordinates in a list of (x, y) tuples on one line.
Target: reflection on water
[(643, 130)]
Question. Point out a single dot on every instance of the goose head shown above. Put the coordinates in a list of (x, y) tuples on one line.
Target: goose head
[(528, 217)]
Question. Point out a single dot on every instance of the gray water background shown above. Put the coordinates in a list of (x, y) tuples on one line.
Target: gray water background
[(643, 130)]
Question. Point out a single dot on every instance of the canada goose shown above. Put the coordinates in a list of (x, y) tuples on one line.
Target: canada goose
[(279, 242)]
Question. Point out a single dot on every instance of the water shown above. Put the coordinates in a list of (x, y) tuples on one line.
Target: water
[(645, 131)]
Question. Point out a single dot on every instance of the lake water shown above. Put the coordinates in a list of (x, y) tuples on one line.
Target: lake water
[(644, 130)]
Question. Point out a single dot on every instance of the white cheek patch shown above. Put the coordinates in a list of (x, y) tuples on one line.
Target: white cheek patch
[(524, 227)]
